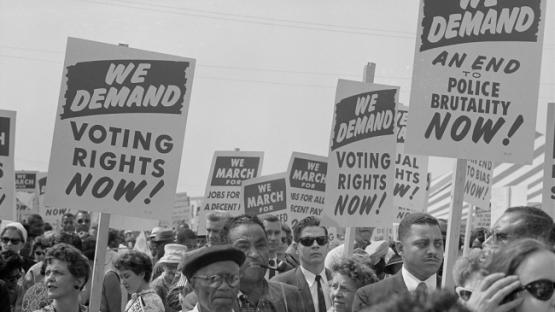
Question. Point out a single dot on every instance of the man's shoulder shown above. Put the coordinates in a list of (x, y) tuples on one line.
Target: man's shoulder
[(286, 277), (383, 285), (282, 286)]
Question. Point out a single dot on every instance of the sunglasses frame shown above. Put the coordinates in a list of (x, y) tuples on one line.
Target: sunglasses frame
[(6, 240), (323, 239), (463, 292), (529, 288)]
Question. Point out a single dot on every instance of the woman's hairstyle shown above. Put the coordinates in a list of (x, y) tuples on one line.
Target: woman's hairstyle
[(77, 263), (465, 267), (509, 258), (42, 242), (136, 261), (358, 268)]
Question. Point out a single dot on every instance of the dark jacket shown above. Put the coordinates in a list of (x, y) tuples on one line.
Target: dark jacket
[(296, 278), (372, 294)]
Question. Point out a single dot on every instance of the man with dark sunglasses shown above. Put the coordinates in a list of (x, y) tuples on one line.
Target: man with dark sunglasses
[(83, 223), (311, 278)]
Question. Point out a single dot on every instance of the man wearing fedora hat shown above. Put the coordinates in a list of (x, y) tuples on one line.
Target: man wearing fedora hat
[(213, 273), (173, 256)]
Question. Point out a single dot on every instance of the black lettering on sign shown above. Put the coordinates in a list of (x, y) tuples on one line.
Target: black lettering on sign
[(308, 174), (265, 197), (4, 136), (454, 22), (125, 86)]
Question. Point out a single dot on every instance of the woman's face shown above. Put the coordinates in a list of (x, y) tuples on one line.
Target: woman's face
[(59, 281), (537, 266), (12, 240), (131, 281), (39, 254), (342, 290)]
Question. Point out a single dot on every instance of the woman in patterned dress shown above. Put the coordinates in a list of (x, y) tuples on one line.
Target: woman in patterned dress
[(66, 273), (134, 269)]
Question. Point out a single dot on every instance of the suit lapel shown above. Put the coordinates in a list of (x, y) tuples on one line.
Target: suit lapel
[(305, 290)]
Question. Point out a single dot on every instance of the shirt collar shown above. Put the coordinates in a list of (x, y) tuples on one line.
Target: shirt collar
[(311, 277), (412, 281)]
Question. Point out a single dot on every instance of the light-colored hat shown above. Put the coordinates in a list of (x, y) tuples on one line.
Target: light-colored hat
[(173, 253), (377, 249), (18, 226)]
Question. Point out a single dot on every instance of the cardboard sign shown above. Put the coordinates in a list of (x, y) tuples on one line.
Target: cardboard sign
[(361, 161), (409, 192), (119, 130), (26, 188), (482, 219), (306, 186), (476, 79), (266, 195), (7, 171), (477, 184), (548, 196)]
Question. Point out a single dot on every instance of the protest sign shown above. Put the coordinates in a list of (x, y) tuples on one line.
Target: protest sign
[(477, 185), (548, 196), (223, 188), (306, 188), (119, 130), (7, 166), (26, 187), (359, 183), (409, 191), (482, 219), (475, 79), (266, 195)]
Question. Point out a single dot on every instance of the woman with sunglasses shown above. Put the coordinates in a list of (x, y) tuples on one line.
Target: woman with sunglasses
[(135, 268), (532, 263)]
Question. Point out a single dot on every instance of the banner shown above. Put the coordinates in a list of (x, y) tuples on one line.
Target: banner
[(477, 183), (409, 192), (223, 189), (7, 166), (476, 79), (306, 188), (266, 195), (361, 161), (119, 130), (548, 196)]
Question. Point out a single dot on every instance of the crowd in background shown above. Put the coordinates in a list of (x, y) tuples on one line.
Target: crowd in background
[(249, 264)]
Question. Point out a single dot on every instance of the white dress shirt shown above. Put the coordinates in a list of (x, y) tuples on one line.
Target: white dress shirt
[(311, 281), (412, 282)]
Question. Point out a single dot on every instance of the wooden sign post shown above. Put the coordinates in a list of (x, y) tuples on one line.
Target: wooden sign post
[(350, 232)]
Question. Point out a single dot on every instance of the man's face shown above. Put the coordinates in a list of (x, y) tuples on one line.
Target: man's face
[(314, 254), (422, 250), (213, 229), (83, 222), (273, 232), (217, 295), (503, 231), (68, 224), (36, 227), (251, 240)]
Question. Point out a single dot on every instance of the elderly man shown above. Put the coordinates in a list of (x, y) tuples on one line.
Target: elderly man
[(421, 247), (247, 234), (213, 273)]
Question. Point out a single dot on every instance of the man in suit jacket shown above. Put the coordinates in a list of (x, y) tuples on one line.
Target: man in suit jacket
[(311, 278), (421, 247)]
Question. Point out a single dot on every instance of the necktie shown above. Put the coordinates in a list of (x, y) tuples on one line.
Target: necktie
[(321, 300), (272, 268), (422, 288)]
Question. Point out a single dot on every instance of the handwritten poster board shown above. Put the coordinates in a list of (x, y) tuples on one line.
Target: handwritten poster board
[(119, 130), (478, 182), (476, 79)]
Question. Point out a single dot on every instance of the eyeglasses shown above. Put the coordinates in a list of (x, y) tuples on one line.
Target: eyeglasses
[(14, 241), (463, 293), (308, 241), (540, 289), (217, 279), (81, 221)]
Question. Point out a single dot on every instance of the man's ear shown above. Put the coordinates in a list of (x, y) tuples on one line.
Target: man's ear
[(399, 248)]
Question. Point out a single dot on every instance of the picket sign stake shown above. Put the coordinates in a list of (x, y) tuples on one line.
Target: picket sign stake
[(468, 229), (367, 76), (454, 224), (97, 278)]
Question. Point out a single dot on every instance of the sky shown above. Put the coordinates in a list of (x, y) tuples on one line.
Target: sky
[(266, 70)]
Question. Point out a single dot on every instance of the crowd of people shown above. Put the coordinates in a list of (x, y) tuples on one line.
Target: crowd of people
[(246, 263)]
